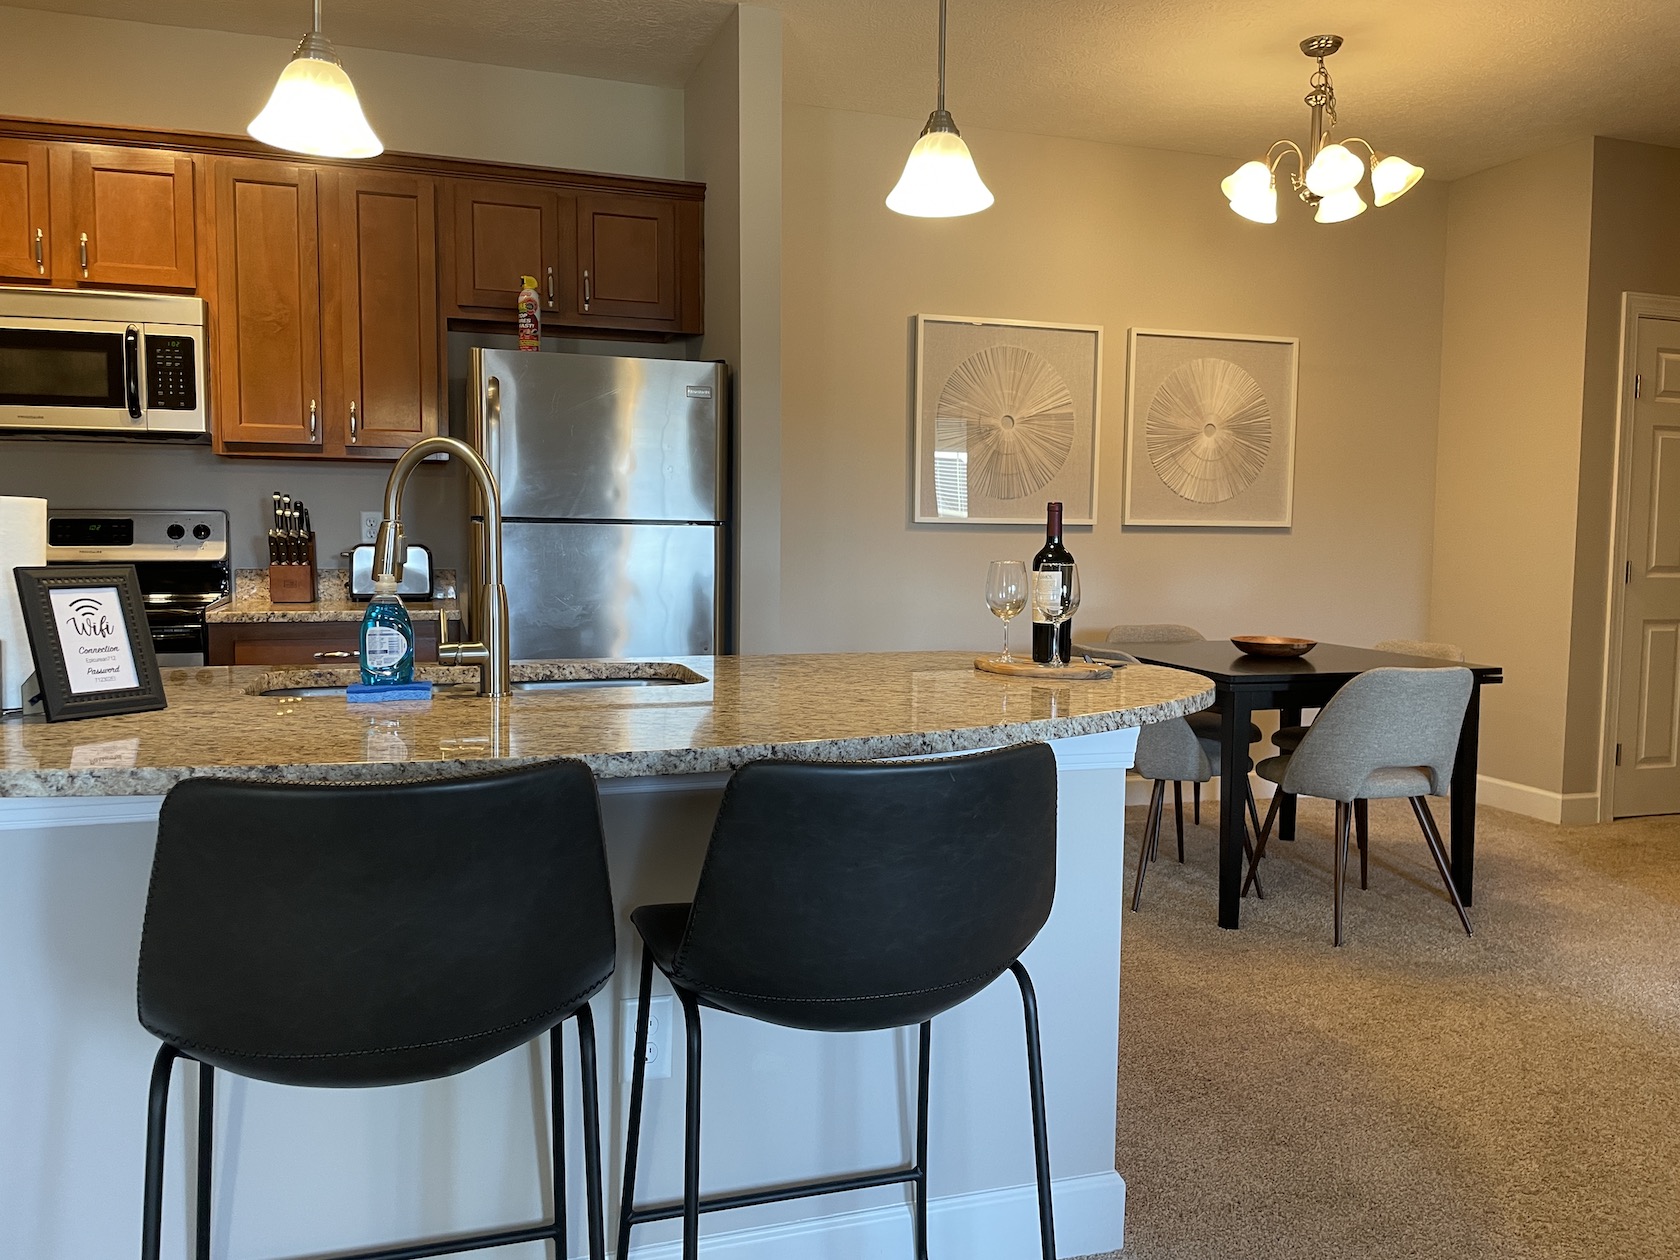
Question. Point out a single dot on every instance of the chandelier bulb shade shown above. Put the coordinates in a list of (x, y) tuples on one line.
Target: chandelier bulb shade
[(939, 180), (313, 108), (1328, 172)]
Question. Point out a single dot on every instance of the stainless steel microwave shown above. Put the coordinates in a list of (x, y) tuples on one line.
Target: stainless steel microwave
[(102, 364)]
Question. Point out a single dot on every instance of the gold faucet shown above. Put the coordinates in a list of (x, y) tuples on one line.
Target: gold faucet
[(485, 616)]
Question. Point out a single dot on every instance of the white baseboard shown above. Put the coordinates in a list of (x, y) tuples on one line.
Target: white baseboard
[(994, 1225), (1570, 809)]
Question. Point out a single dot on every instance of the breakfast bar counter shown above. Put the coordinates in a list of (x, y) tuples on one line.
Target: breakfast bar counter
[(78, 810)]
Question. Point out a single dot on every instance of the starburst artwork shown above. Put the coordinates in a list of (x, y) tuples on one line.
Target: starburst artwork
[(1012, 414), (1208, 431)]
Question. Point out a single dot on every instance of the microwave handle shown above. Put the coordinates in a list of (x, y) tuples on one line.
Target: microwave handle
[(131, 370)]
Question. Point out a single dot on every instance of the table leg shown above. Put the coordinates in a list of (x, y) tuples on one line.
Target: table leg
[(1233, 822), (1287, 716), (1463, 809)]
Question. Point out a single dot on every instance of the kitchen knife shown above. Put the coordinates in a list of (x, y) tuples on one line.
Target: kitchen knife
[(300, 535), (276, 528)]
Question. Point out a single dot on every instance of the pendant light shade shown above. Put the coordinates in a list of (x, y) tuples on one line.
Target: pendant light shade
[(939, 180), (1336, 207), (1252, 192), (313, 108), (1392, 176), (1334, 170)]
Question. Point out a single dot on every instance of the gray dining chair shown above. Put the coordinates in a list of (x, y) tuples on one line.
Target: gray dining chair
[(1206, 723), (1388, 733)]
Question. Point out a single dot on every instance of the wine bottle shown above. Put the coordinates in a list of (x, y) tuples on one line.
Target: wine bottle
[(1051, 553)]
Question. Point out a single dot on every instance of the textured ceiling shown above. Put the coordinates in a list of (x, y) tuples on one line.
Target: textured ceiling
[(1454, 85)]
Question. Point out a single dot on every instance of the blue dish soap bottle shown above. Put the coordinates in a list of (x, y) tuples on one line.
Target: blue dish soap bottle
[(387, 638)]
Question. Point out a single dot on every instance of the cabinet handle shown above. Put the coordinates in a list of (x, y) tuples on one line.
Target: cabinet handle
[(312, 420), (352, 423), (84, 255), (337, 656), (586, 291), (40, 254), (551, 288)]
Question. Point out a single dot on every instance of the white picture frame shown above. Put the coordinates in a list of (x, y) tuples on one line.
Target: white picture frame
[(1210, 429), (976, 461)]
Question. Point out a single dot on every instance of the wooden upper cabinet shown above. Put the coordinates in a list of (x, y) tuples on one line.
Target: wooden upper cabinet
[(130, 219), (25, 224), (266, 310), (626, 259), (503, 232), (380, 318)]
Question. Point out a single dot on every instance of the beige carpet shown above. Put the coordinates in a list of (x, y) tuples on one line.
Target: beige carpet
[(1414, 1093)]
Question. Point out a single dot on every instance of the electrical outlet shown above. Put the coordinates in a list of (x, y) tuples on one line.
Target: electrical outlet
[(660, 1029), (370, 526)]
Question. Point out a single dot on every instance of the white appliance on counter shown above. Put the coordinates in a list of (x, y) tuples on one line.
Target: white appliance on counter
[(614, 496), (100, 364)]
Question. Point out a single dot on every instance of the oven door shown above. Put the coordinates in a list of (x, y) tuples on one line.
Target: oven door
[(71, 374)]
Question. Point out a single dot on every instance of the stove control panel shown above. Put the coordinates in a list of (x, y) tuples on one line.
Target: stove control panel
[(137, 535)]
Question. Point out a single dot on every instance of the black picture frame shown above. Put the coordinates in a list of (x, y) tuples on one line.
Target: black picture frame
[(72, 614)]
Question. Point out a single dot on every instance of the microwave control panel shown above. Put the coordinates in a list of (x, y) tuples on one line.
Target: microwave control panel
[(171, 373)]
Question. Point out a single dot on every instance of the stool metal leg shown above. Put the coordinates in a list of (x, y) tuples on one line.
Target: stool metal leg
[(1362, 825), (557, 1134), (1041, 1128), (691, 1129), (1151, 831), (1196, 810), (157, 1112), (919, 1186), (638, 1080), (206, 1131), (1438, 851), (1344, 820), (1265, 834), (591, 1131), (1178, 815)]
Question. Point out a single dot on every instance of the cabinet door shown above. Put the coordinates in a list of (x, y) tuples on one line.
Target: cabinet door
[(502, 232), (379, 309), (131, 218), (320, 644), (627, 259), (25, 240), (267, 315)]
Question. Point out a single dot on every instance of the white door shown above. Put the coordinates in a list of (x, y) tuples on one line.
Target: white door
[(1647, 754)]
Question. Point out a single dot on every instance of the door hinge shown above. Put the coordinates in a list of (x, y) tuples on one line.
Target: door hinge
[(1637, 381), (1618, 754)]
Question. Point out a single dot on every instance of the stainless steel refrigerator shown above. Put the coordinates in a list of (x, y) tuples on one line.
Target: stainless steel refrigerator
[(613, 479)]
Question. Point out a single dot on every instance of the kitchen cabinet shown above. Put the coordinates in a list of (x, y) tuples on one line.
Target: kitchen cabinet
[(302, 642), (626, 259), (502, 232), (25, 220), (129, 217)]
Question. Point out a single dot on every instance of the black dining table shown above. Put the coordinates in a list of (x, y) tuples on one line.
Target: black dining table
[(1289, 684)]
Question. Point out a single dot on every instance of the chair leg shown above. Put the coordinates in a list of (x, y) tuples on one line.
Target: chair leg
[(691, 1130), (1178, 815), (1344, 819), (1041, 1127), (591, 1089), (206, 1133), (1248, 845), (1260, 844), (920, 1184), (157, 1111), (557, 1136), (1151, 830), (1362, 822), (1438, 850), (638, 1080), (1196, 798)]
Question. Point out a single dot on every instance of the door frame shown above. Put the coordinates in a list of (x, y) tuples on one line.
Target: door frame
[(1634, 307)]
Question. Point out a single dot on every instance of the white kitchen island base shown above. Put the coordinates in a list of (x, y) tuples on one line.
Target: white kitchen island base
[(301, 1172)]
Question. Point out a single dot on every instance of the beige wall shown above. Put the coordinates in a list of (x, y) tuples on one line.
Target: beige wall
[(1090, 233), (1513, 337)]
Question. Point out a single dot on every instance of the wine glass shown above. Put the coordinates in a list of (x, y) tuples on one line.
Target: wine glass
[(1055, 597), (1006, 596)]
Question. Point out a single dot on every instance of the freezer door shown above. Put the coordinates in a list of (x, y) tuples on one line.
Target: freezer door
[(590, 437), (610, 590)]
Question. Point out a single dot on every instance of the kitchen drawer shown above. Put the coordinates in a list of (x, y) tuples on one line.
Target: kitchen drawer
[(301, 643)]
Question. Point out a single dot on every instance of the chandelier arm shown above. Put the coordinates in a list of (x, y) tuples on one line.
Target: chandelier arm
[(1274, 156), (1363, 141)]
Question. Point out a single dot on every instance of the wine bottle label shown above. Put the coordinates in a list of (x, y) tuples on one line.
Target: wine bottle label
[(1047, 593), (385, 647)]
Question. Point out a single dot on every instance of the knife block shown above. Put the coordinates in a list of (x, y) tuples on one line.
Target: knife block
[(293, 583)]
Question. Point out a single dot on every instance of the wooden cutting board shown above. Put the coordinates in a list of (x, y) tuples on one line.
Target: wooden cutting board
[(1079, 671)]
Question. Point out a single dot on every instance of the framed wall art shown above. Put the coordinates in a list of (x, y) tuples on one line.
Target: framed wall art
[(1006, 420), (90, 639), (1210, 429)]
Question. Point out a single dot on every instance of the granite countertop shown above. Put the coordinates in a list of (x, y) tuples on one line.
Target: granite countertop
[(830, 707), (250, 602)]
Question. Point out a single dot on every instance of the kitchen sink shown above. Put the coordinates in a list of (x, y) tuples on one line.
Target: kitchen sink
[(455, 681)]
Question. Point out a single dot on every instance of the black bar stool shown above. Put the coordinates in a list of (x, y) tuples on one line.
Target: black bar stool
[(376, 934), (854, 896)]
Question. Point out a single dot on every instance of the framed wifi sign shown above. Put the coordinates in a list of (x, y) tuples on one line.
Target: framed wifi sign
[(92, 646)]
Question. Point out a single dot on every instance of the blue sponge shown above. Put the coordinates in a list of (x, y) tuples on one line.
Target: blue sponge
[(362, 693)]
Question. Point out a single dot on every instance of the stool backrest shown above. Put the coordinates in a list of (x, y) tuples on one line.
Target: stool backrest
[(1155, 632), (370, 934), (871, 895), (1170, 750), (1422, 647), (1384, 719)]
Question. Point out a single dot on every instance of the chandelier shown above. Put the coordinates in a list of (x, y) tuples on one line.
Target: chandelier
[(1328, 173)]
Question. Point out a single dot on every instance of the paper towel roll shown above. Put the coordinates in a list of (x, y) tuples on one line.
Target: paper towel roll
[(23, 541)]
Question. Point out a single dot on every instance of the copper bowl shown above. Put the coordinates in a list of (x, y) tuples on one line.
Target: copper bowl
[(1272, 645)]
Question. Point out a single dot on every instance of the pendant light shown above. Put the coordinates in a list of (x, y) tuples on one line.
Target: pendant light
[(314, 109), (939, 180)]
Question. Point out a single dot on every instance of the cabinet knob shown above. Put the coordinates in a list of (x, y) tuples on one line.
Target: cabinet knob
[(40, 253), (84, 256), (337, 656), (352, 422), (587, 295), (313, 422), (551, 288)]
